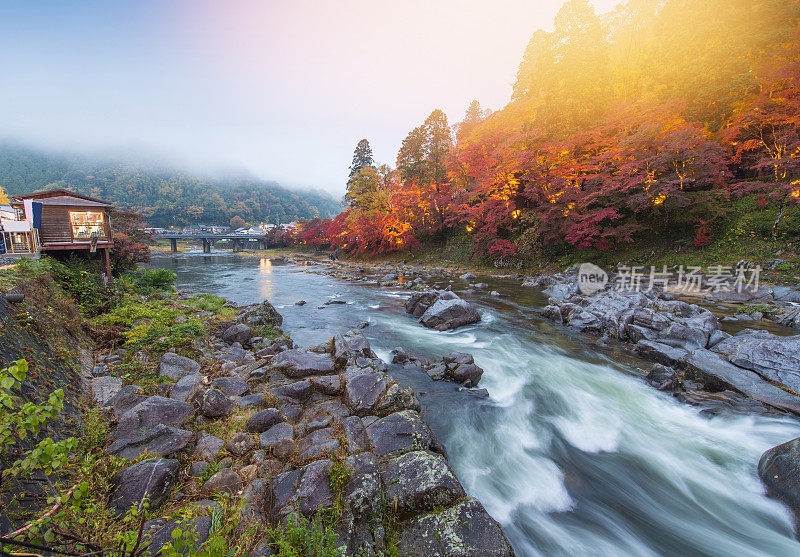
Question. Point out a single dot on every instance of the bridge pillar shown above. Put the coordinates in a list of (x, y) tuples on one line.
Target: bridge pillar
[(173, 244), (206, 245), (237, 245)]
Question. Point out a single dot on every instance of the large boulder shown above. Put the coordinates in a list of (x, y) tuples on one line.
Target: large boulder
[(265, 314), (715, 370), (779, 470), (151, 412), (419, 481), (363, 388), (162, 440), (239, 332), (465, 529), (461, 368), (419, 302), (149, 480), (173, 366), (773, 357), (399, 433), (299, 363), (449, 314), (349, 346)]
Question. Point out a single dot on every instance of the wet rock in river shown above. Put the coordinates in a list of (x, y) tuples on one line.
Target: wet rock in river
[(773, 357), (449, 314), (779, 470)]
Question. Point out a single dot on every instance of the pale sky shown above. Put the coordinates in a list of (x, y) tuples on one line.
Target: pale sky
[(281, 88)]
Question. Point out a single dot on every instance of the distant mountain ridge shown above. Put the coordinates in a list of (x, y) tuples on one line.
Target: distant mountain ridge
[(165, 195)]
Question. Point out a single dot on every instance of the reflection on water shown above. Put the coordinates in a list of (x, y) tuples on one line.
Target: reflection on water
[(573, 453)]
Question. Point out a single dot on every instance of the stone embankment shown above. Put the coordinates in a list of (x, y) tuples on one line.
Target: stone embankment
[(277, 423)]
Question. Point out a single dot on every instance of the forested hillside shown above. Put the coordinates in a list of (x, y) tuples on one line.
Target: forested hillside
[(664, 119), (165, 196)]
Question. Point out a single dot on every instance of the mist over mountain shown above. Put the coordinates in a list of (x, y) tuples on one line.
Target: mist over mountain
[(161, 190)]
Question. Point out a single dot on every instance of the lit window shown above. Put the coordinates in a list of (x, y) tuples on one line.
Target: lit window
[(87, 225)]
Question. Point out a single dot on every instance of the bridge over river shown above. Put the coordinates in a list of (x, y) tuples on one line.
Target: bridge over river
[(208, 239)]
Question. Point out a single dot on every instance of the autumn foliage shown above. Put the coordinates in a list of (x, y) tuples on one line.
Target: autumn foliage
[(649, 120)]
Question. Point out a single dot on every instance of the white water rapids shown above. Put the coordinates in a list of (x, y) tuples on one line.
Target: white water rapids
[(573, 453)]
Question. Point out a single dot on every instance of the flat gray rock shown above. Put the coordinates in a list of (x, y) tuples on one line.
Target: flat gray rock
[(300, 364), (399, 433), (162, 440), (186, 386), (773, 357), (173, 366), (105, 388), (151, 412), (231, 386), (745, 381)]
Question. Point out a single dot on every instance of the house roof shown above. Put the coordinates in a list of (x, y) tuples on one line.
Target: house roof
[(62, 200), (61, 193)]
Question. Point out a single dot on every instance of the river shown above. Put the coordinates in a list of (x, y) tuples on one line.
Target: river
[(573, 453)]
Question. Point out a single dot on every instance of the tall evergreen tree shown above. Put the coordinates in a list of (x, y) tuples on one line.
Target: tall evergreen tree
[(438, 141), (362, 157), (411, 158)]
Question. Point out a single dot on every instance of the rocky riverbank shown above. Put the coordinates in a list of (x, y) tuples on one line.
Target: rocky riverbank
[(686, 339), (319, 436)]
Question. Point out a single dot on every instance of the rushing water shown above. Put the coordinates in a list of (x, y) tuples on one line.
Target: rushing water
[(573, 453)]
